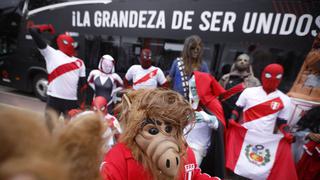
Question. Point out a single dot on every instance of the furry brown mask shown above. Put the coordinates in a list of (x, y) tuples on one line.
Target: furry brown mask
[(28, 151), (153, 129)]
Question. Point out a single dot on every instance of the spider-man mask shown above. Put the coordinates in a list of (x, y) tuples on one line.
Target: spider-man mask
[(271, 77), (66, 44)]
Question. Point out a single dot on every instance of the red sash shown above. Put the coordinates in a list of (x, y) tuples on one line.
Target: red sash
[(264, 109), (146, 77), (64, 68)]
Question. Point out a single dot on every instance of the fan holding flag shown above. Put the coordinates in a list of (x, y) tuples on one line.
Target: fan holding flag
[(261, 152)]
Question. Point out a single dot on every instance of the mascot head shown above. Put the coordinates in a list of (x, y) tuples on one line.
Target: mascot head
[(66, 44), (153, 129), (271, 77), (106, 64)]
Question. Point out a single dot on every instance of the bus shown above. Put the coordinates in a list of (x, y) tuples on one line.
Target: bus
[(269, 31)]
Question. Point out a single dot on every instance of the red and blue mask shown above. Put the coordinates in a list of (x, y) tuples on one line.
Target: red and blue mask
[(66, 44), (145, 58), (271, 77)]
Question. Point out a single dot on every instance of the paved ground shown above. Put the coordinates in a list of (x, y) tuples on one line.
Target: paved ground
[(16, 99)]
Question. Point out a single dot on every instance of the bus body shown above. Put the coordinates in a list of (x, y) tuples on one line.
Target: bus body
[(269, 31)]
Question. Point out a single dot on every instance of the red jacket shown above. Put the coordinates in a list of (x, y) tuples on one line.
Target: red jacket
[(209, 90), (119, 164)]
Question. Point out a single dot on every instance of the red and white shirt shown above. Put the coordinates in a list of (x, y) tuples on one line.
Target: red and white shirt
[(261, 109), (119, 164), (63, 73), (145, 78)]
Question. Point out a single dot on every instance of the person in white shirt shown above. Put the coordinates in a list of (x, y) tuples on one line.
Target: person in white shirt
[(66, 73), (145, 75)]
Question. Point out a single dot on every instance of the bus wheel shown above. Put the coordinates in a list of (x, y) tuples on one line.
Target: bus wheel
[(40, 85)]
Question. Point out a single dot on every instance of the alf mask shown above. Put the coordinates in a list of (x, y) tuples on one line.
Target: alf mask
[(154, 121)]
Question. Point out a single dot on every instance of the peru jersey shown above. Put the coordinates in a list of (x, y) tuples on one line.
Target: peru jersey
[(63, 73), (261, 110), (145, 78)]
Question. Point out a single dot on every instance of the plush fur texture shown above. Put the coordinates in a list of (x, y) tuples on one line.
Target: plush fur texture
[(29, 151), (158, 104)]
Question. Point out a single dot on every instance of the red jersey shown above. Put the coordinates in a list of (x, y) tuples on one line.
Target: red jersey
[(119, 164)]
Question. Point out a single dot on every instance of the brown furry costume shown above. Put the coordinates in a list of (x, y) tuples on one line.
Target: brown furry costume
[(160, 104), (152, 145), (29, 151)]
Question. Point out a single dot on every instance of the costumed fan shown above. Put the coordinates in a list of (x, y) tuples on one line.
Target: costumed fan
[(261, 153), (145, 75), (105, 82), (152, 145), (182, 67), (66, 73), (99, 106), (206, 136), (240, 74)]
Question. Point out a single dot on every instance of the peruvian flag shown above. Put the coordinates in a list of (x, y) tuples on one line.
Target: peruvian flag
[(257, 155)]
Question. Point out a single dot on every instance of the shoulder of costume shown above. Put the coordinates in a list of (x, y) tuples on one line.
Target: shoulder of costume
[(95, 71), (248, 89), (283, 95), (124, 148), (224, 77)]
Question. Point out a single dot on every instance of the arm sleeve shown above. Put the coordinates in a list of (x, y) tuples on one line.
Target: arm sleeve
[(82, 91), (173, 69), (91, 79), (129, 74), (83, 70), (241, 102), (37, 38), (216, 88), (287, 111), (118, 79), (49, 55), (160, 77), (202, 176)]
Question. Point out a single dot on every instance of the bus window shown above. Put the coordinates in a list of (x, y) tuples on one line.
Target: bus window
[(91, 51), (7, 45)]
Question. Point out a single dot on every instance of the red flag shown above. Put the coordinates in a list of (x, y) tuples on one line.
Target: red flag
[(257, 155)]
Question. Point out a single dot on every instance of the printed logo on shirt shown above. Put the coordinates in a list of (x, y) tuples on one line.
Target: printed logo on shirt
[(78, 64), (189, 169), (274, 105), (258, 154)]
